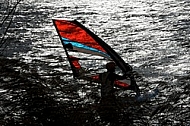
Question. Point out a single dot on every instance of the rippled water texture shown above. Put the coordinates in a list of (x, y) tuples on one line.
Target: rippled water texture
[(153, 36)]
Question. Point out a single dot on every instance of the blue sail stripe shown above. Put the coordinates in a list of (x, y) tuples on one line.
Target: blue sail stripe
[(82, 46)]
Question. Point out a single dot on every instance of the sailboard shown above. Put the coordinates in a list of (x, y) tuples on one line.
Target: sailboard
[(87, 53)]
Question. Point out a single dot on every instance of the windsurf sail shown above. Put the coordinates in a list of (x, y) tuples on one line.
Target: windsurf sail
[(82, 45)]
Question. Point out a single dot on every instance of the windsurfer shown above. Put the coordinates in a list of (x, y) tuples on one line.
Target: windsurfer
[(107, 81), (109, 105)]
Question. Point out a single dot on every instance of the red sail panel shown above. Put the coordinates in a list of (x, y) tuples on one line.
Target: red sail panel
[(116, 82), (75, 62), (69, 30)]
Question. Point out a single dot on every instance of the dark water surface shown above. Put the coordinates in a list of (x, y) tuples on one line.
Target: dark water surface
[(153, 36)]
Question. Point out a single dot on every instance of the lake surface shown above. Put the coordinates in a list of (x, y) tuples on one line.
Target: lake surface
[(153, 36)]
